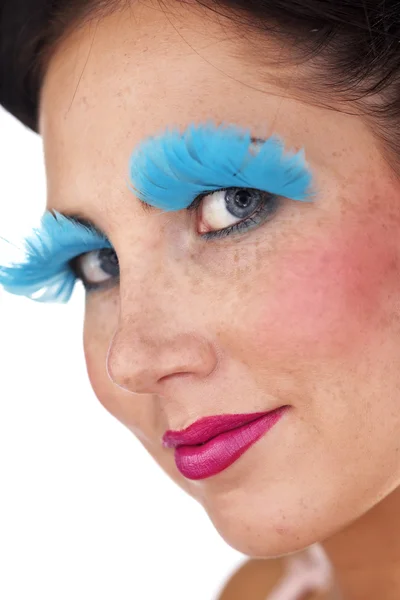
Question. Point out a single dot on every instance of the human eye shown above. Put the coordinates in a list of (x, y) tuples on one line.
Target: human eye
[(56, 254), (233, 210), (96, 268)]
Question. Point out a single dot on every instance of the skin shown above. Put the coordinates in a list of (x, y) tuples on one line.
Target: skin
[(302, 311)]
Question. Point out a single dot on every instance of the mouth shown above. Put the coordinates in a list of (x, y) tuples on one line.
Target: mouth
[(212, 444)]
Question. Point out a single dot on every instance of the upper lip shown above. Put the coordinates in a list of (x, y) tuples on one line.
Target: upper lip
[(206, 428)]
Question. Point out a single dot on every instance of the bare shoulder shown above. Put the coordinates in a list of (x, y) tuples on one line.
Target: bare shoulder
[(255, 579)]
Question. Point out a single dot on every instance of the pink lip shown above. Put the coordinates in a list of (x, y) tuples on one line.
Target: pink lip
[(223, 439)]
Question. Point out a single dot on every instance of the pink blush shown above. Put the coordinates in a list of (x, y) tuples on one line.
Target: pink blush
[(329, 292)]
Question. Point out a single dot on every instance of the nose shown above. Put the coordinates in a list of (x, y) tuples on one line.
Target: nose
[(158, 338), (141, 360)]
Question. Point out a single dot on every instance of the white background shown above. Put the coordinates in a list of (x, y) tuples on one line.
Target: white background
[(85, 512)]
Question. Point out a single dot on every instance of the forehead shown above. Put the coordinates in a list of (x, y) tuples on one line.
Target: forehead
[(115, 81), (147, 69)]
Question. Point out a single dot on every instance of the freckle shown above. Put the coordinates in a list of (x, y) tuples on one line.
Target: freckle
[(196, 282), (125, 382), (260, 258)]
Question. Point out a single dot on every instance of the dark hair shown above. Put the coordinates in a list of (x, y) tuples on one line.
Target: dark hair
[(351, 48)]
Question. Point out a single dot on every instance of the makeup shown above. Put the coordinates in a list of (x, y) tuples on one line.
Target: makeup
[(168, 172), (222, 445), (45, 273)]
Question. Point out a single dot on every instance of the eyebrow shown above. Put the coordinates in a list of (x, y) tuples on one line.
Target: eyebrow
[(79, 219)]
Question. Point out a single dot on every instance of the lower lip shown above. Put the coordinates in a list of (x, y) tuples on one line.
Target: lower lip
[(199, 462)]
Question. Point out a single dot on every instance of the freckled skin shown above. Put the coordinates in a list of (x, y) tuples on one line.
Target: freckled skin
[(303, 310)]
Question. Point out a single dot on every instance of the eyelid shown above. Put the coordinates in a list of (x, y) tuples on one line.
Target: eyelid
[(49, 249)]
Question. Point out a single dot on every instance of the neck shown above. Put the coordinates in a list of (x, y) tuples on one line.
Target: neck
[(366, 555)]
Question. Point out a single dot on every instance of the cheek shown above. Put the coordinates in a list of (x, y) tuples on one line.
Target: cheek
[(140, 413), (328, 295), (95, 348), (132, 411), (101, 319)]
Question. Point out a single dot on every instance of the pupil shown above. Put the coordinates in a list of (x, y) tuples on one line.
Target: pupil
[(242, 202), (109, 261), (242, 197)]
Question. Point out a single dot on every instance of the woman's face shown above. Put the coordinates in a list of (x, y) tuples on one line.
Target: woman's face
[(302, 310)]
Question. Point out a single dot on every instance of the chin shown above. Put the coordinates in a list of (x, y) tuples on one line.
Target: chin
[(259, 530)]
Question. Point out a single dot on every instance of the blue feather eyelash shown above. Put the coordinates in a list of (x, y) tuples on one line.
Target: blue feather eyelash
[(170, 170), (48, 251)]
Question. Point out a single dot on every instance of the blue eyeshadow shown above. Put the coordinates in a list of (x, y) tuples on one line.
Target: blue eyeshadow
[(166, 172)]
